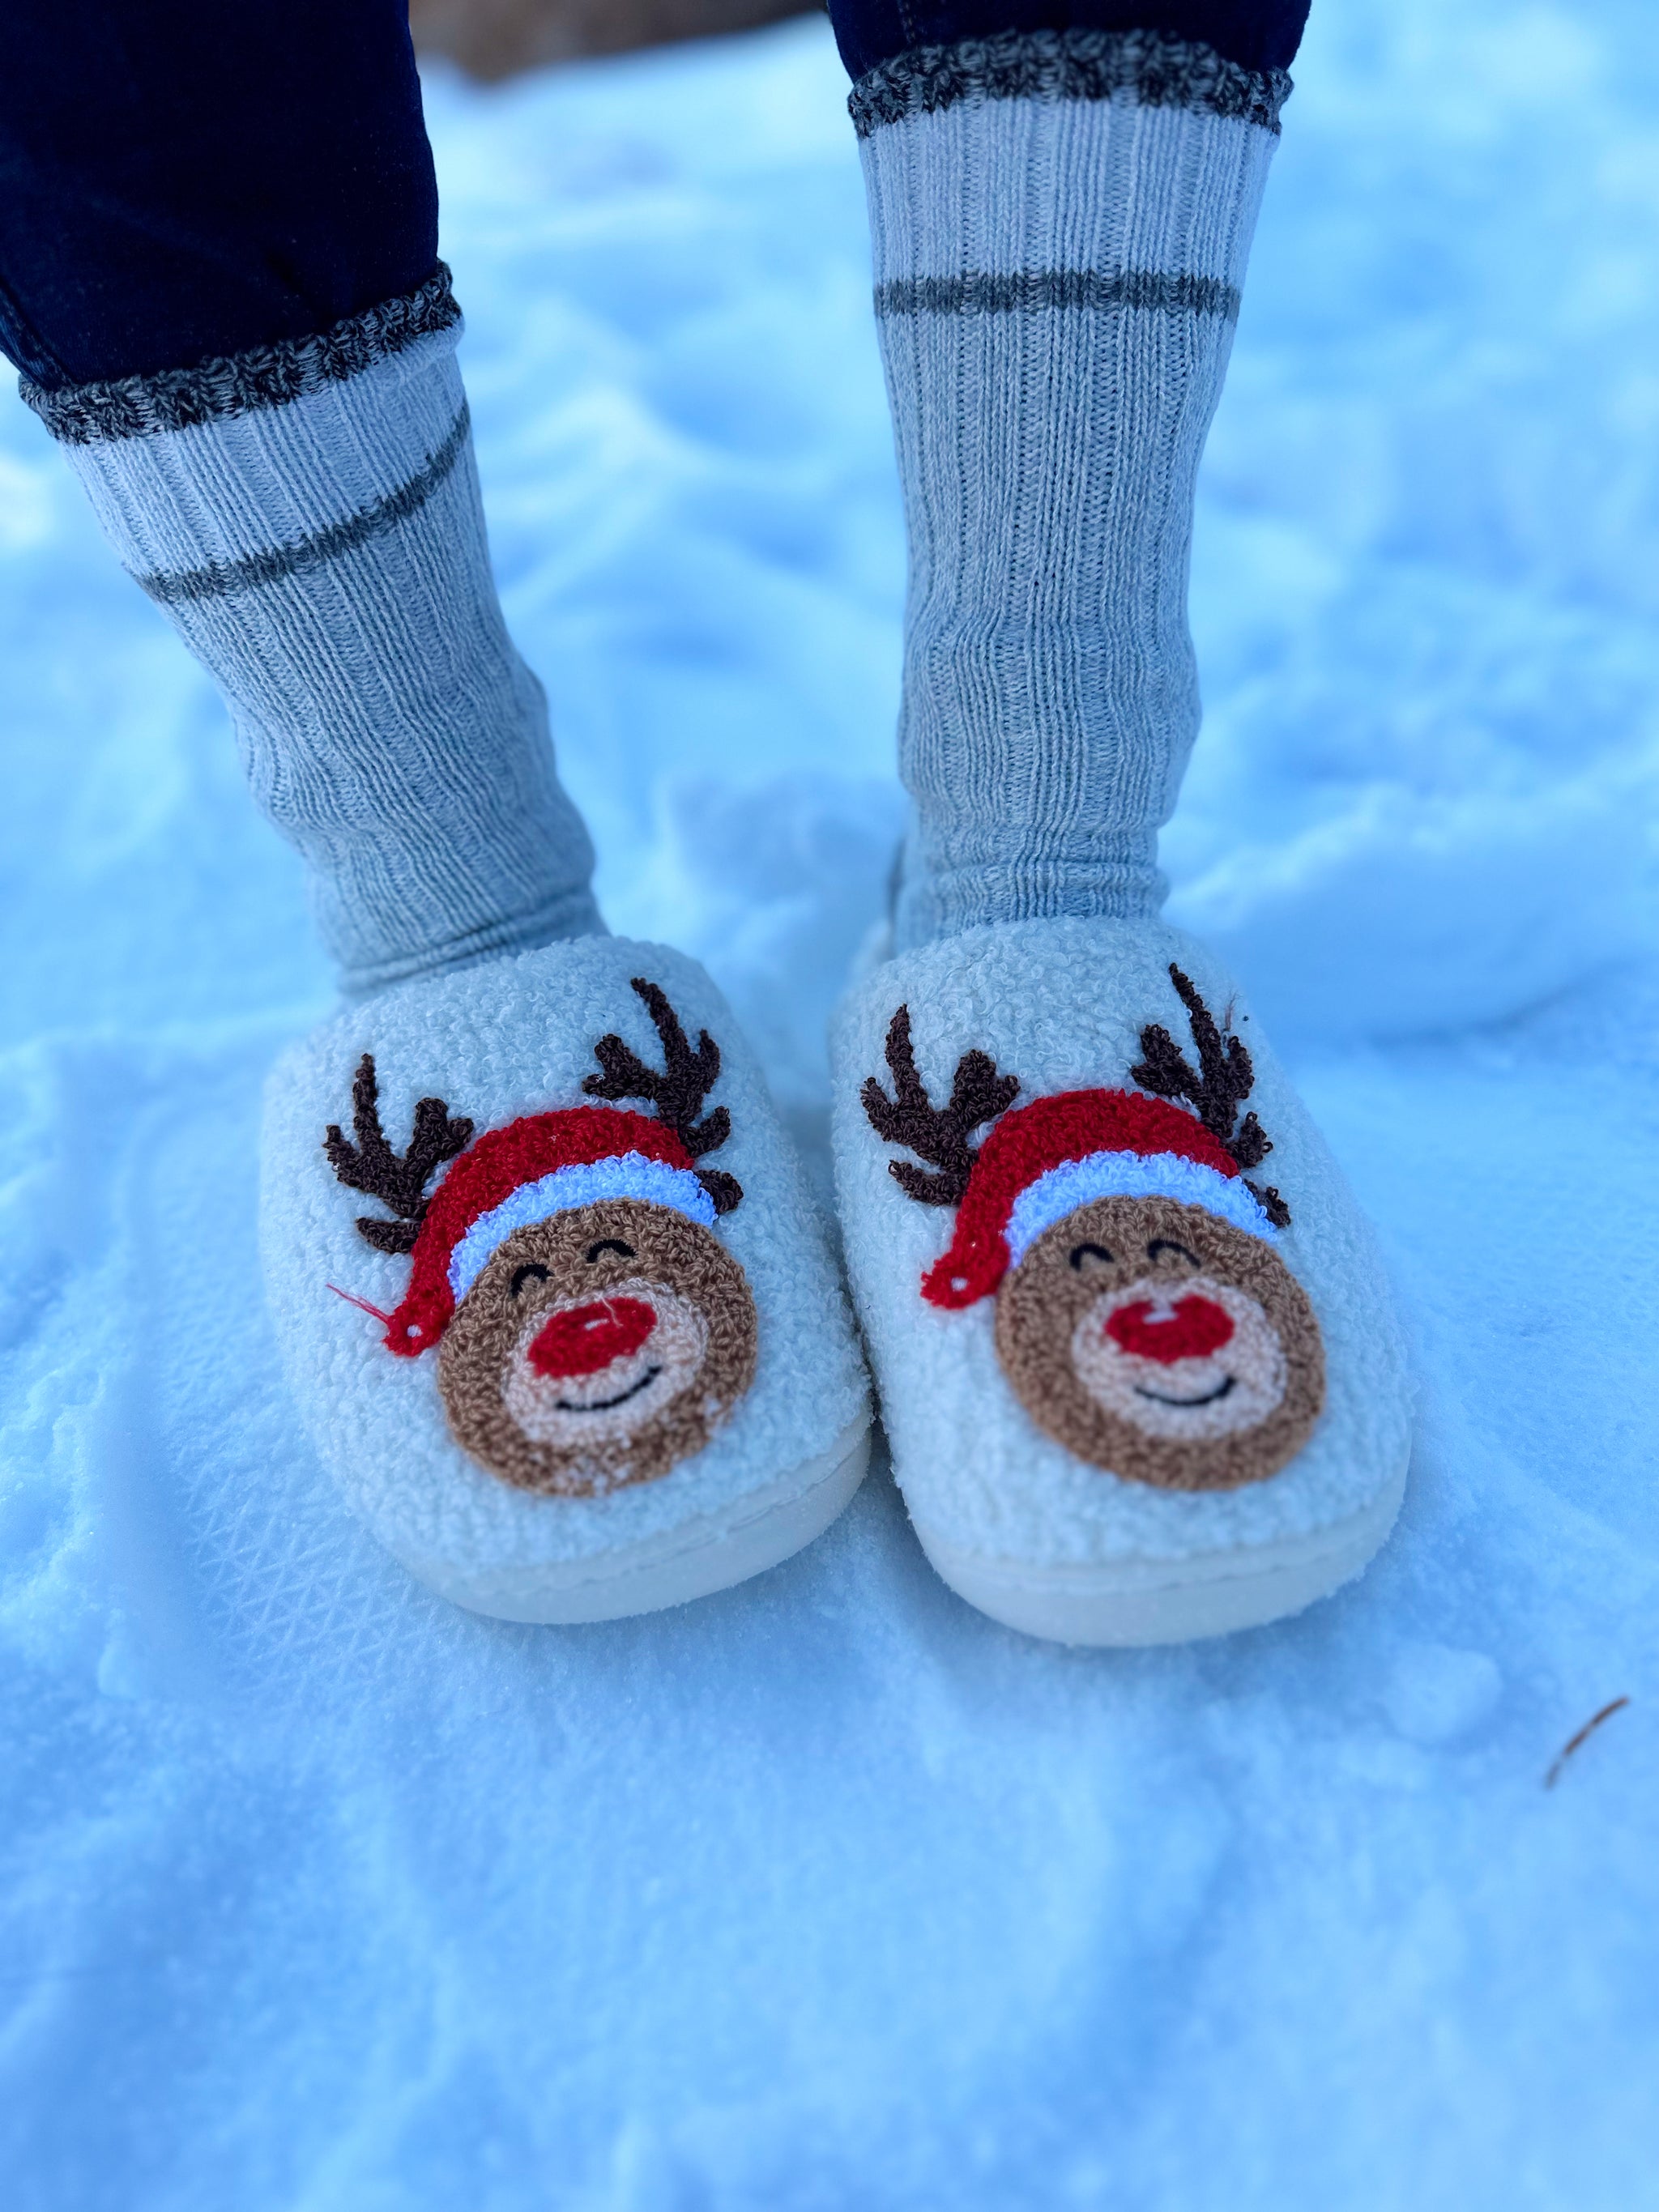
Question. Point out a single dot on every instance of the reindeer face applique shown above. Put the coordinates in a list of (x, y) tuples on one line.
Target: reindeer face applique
[(591, 1328), (1144, 1317)]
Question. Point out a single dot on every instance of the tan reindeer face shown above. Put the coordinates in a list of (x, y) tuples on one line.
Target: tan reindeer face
[(1144, 1318), (597, 1349), (590, 1330), (1155, 1341)]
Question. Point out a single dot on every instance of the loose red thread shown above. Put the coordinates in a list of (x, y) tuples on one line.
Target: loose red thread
[(361, 1304)]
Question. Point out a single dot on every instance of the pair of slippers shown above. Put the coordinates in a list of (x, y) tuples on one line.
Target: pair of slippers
[(565, 1323)]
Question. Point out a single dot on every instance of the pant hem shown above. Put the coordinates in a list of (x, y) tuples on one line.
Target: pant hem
[(244, 383)]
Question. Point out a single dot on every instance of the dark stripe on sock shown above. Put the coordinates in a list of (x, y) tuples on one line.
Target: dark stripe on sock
[(1159, 70), (244, 383), (1058, 288), (220, 577)]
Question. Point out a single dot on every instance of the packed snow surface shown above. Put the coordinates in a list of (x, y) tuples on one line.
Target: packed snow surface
[(828, 1894)]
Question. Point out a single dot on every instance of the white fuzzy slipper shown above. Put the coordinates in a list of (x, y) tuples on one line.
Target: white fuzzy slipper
[(552, 1294), (1131, 1334)]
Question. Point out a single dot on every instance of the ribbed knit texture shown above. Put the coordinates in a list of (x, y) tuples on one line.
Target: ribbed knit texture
[(1057, 282), (325, 557)]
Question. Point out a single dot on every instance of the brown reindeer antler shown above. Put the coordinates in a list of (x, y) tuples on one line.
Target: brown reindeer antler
[(677, 1090), (1218, 1087), (398, 1179), (936, 1134)]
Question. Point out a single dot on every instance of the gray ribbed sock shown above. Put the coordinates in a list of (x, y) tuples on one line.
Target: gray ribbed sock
[(308, 516), (1060, 222)]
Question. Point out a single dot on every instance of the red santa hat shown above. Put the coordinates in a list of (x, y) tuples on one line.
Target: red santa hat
[(530, 1169), (1042, 1161)]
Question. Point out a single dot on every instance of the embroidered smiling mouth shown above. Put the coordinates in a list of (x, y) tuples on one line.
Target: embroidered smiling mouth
[(1189, 1404), (605, 1405)]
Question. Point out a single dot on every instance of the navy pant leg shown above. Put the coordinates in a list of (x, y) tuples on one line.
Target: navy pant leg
[(1259, 35), (181, 179)]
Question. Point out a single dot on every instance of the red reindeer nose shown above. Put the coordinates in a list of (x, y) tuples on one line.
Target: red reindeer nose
[(583, 1340), (1193, 1329)]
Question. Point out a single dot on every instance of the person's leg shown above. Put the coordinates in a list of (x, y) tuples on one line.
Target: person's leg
[(1062, 199), (566, 1249), (219, 277), (1137, 1367)]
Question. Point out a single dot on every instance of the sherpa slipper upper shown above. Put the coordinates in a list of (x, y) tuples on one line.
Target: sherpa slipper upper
[(555, 1300), (1131, 1336)]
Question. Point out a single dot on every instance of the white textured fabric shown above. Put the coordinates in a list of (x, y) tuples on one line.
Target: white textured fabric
[(513, 1037), (630, 1175), (1130, 1175), (326, 561), (1056, 284), (1060, 1003)]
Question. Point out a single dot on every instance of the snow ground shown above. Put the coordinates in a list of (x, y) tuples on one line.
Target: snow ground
[(828, 1894)]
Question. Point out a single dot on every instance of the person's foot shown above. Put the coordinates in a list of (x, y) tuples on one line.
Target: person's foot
[(557, 1305), (1131, 1334)]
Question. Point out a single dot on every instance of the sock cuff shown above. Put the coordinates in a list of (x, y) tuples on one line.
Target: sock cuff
[(1016, 207), (1150, 67), (248, 498), (218, 389)]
